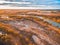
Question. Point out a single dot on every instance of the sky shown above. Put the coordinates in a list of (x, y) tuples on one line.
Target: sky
[(43, 2), (40, 3)]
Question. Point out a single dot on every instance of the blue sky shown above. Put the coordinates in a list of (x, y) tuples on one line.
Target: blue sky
[(49, 3), (41, 3)]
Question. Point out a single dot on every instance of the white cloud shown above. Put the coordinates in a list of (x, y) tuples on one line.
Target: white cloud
[(41, 7), (29, 4), (1, 2)]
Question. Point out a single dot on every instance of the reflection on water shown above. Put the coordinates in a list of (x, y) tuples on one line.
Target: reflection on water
[(51, 22), (54, 23)]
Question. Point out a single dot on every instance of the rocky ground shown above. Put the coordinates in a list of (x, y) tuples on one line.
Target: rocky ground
[(29, 27)]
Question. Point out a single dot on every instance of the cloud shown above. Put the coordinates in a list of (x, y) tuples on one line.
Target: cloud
[(1, 2), (41, 7), (37, 4)]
